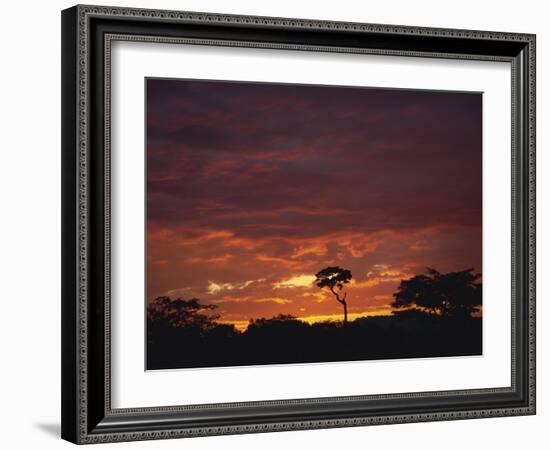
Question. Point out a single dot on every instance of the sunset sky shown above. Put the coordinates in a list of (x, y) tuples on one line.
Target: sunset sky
[(253, 188)]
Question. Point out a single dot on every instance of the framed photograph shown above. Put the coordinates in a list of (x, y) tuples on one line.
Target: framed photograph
[(279, 224)]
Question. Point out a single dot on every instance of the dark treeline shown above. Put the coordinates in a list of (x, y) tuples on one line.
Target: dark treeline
[(434, 315)]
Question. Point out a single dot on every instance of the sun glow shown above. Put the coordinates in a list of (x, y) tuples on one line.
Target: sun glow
[(338, 317), (241, 325)]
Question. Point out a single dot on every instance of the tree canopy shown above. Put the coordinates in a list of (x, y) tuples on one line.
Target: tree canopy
[(182, 313), (450, 294)]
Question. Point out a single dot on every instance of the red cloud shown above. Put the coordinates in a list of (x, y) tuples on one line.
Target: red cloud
[(269, 182)]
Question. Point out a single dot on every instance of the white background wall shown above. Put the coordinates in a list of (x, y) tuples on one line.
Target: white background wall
[(30, 223)]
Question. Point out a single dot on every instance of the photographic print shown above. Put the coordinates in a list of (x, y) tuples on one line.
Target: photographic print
[(313, 200), (295, 223)]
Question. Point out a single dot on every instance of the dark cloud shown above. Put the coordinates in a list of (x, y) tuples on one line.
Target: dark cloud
[(391, 175)]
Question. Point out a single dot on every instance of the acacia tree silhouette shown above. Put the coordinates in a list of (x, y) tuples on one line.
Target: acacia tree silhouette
[(335, 278), (453, 294)]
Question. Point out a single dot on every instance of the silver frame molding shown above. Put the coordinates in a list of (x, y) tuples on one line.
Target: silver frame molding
[(87, 35)]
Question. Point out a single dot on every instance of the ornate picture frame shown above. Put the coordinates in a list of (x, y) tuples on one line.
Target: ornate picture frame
[(88, 33)]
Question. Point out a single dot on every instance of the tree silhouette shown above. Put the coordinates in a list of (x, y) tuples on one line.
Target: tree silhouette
[(335, 278), (453, 294), (182, 313)]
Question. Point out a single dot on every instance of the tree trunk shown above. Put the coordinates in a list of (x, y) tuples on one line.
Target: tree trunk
[(343, 302), (345, 312)]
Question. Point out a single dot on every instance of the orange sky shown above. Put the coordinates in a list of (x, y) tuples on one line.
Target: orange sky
[(253, 188)]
